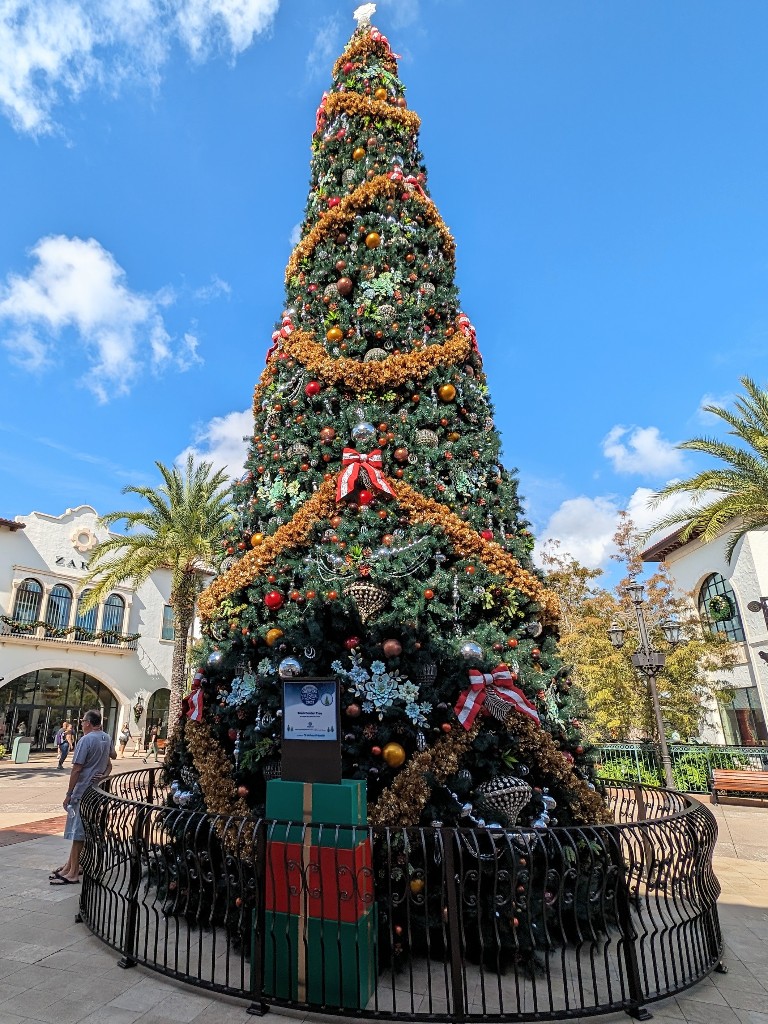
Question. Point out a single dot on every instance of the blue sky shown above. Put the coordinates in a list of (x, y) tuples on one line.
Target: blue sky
[(603, 168)]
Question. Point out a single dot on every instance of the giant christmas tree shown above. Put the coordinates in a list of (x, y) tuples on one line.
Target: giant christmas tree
[(377, 537)]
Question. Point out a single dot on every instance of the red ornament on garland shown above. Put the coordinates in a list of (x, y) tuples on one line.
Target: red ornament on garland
[(274, 600), (392, 648), (352, 642), (365, 497), (353, 710), (313, 388), (344, 285), (486, 534)]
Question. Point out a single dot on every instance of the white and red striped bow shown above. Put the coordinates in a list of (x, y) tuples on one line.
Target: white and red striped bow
[(465, 326), (377, 37), (496, 692), (396, 174), (353, 461), (195, 699), (320, 117)]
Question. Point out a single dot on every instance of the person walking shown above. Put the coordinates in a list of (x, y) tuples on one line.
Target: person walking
[(152, 745), (62, 739), (122, 739), (90, 762)]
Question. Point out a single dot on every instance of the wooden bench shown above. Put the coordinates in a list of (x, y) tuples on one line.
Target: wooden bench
[(728, 780)]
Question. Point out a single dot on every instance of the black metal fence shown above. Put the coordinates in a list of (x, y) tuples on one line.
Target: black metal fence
[(692, 763), (411, 923)]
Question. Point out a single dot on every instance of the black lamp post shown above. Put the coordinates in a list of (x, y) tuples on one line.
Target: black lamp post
[(650, 663)]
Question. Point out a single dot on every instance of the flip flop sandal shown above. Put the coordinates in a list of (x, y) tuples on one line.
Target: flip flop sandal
[(61, 880), (54, 874)]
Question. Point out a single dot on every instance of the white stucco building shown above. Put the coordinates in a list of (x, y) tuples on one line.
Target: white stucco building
[(739, 611), (57, 660)]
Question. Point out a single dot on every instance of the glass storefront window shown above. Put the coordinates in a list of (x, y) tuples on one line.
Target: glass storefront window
[(743, 719)]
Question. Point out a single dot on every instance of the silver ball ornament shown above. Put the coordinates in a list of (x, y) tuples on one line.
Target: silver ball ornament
[(289, 667), (363, 432), (470, 651), (215, 658)]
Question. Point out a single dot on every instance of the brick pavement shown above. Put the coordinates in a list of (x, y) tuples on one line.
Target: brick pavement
[(53, 971)]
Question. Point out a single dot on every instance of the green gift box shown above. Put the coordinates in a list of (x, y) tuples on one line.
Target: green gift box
[(320, 961), (324, 804)]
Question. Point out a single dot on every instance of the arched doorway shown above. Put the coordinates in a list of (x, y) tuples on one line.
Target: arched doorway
[(41, 700), (157, 713)]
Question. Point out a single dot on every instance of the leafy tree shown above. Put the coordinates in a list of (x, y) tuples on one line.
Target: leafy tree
[(616, 694), (181, 529), (733, 496)]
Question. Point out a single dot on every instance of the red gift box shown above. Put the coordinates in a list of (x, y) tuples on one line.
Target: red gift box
[(319, 881)]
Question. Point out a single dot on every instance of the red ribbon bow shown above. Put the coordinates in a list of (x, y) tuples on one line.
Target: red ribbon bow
[(465, 326), (353, 461), (494, 688), (320, 117), (377, 37), (195, 699), (396, 174)]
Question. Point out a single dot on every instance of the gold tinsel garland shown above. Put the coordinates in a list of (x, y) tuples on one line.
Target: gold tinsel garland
[(469, 543), (361, 45), (403, 802), (354, 104), (536, 744), (295, 533), (214, 769), (355, 375), (334, 219), (288, 536)]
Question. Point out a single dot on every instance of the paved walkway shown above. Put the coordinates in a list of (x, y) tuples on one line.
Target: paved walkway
[(54, 971)]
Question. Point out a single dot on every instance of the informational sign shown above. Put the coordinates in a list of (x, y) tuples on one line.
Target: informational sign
[(309, 711), (311, 731)]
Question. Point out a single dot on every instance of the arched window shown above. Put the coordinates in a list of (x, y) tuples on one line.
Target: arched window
[(85, 621), (26, 608), (114, 612), (718, 608), (59, 607)]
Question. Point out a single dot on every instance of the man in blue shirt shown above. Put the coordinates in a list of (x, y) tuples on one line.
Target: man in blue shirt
[(91, 762)]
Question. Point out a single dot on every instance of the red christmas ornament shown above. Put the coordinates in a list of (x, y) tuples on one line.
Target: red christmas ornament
[(242, 791), (232, 734), (344, 285), (353, 710), (274, 600), (348, 66), (376, 751), (352, 642), (365, 497), (512, 643), (429, 594), (446, 726), (486, 534), (313, 388), (392, 648), (535, 653), (333, 201)]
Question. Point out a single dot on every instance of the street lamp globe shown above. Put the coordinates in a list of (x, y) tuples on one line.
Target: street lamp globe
[(671, 629), (616, 635)]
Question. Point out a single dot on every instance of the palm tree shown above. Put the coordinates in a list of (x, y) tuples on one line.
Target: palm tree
[(734, 495), (181, 530)]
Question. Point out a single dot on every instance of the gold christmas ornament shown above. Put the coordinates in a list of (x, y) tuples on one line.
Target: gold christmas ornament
[(394, 754), (446, 392), (272, 636)]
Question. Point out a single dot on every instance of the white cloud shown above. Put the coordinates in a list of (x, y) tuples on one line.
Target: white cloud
[(222, 441), (214, 290), (295, 235), (585, 528), (76, 297), (55, 47), (723, 401), (642, 450), (401, 13), (325, 48)]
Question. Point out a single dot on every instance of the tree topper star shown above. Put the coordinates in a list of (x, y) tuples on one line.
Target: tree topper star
[(363, 14)]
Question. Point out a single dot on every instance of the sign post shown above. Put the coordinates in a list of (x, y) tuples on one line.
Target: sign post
[(311, 731)]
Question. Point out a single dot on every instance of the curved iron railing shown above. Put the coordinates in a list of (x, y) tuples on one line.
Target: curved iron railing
[(412, 923)]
